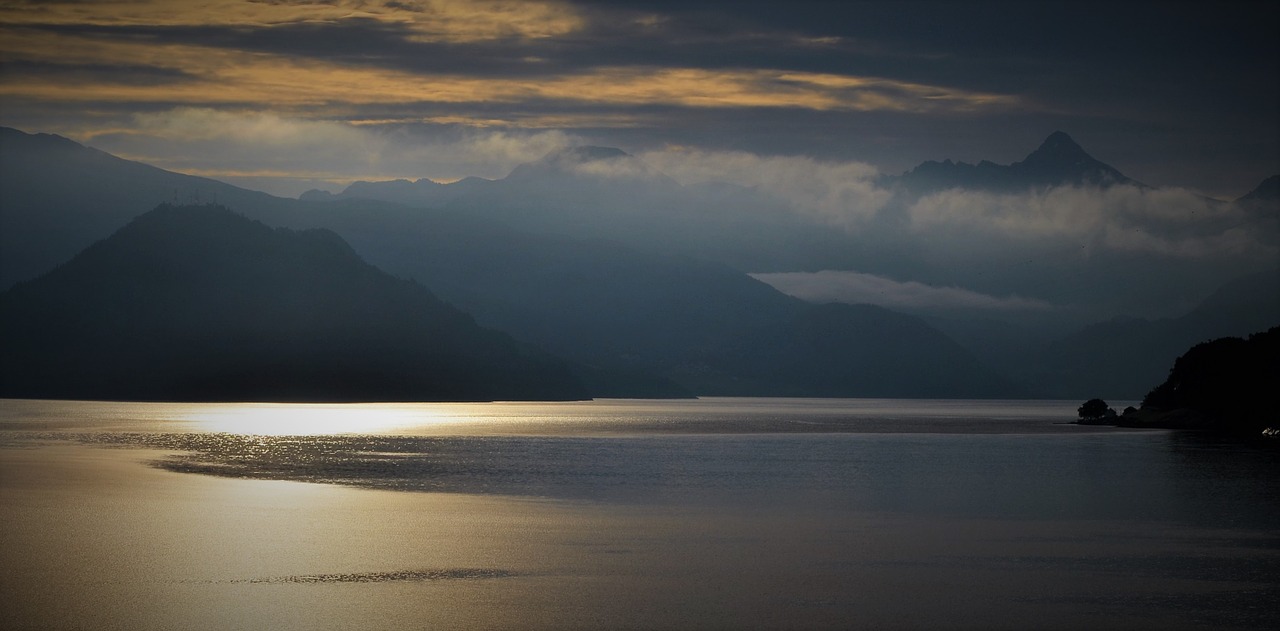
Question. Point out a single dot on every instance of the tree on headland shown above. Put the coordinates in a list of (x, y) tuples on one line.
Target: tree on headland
[(1229, 382), (1095, 409)]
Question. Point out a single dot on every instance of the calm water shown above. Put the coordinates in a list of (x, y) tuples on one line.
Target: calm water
[(720, 513)]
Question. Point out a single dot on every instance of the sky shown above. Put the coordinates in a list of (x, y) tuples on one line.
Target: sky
[(283, 95)]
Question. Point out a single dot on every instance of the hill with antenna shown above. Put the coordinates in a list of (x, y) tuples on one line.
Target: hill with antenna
[(59, 196)]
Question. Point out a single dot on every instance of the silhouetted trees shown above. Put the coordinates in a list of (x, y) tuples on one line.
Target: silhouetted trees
[(1231, 381), (1095, 409)]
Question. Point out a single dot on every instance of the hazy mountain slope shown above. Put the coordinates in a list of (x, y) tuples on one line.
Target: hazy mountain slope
[(197, 303), (840, 350), (627, 312), (1267, 191), (60, 196), (1263, 202), (1122, 358), (594, 301), (606, 193), (622, 309), (57, 197), (1025, 248)]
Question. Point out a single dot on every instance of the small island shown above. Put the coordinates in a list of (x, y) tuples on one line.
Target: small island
[(1225, 385)]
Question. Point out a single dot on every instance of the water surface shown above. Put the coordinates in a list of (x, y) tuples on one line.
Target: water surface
[(721, 513)]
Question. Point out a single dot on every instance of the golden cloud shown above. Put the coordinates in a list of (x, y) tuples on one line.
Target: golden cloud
[(427, 20), (218, 76)]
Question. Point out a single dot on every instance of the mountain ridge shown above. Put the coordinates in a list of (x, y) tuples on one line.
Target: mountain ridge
[(1268, 190), (1122, 357), (1058, 161), (199, 303), (59, 196), (541, 281)]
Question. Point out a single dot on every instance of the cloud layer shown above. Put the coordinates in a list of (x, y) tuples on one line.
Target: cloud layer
[(1169, 222), (884, 83), (838, 193), (287, 155)]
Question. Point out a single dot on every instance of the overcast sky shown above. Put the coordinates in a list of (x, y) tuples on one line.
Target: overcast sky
[(282, 95)]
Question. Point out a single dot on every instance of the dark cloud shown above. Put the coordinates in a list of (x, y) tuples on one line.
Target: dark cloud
[(1172, 93), (122, 74)]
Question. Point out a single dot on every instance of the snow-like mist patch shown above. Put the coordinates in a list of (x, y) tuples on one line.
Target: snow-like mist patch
[(859, 288), (286, 155), (838, 193), (1169, 222)]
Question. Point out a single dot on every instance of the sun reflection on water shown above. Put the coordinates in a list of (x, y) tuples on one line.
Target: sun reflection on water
[(292, 419)]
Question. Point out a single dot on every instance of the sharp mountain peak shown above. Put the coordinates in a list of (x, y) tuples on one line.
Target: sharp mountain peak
[(1059, 145), (1059, 160)]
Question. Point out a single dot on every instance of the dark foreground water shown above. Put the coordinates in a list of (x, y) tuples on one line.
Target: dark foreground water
[(722, 513)]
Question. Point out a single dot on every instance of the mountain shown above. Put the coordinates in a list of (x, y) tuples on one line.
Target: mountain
[(626, 312), (1267, 191), (841, 350), (1121, 358), (576, 171), (420, 192), (1263, 203), (58, 196), (593, 192), (198, 303), (1059, 161), (605, 193), (637, 321)]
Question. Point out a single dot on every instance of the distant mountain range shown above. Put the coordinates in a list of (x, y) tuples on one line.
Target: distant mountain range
[(604, 193), (1123, 358), (197, 303), (574, 169), (1058, 161), (635, 322), (58, 196), (839, 350), (597, 258)]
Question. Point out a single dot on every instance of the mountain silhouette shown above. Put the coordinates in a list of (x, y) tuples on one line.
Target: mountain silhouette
[(198, 303), (643, 295), (57, 197), (606, 193), (1267, 191), (1058, 161), (1123, 357), (571, 167), (626, 312)]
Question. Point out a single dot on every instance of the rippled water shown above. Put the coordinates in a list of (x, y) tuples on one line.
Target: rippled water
[(770, 505), (600, 417)]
